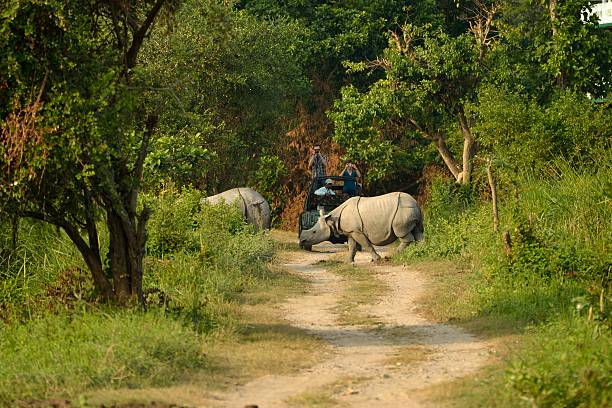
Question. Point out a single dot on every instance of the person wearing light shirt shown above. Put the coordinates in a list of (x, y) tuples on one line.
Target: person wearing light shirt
[(325, 191)]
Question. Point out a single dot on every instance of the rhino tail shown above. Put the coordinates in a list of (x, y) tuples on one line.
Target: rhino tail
[(259, 219), (418, 230)]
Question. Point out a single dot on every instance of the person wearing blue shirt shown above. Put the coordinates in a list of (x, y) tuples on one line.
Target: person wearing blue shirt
[(350, 185)]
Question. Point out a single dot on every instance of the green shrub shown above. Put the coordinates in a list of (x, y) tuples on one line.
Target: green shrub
[(268, 181), (173, 221), (66, 354), (221, 218), (567, 364), (446, 198), (199, 283)]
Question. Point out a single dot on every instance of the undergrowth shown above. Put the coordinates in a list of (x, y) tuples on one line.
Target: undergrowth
[(57, 340), (67, 353), (549, 282)]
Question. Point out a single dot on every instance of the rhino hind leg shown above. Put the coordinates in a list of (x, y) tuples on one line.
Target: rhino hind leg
[(418, 231), (405, 241), (408, 233), (366, 245)]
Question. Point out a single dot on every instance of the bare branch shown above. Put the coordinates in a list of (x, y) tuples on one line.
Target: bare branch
[(481, 25)]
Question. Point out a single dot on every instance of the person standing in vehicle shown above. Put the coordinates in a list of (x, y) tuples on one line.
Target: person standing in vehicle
[(350, 184), (317, 162)]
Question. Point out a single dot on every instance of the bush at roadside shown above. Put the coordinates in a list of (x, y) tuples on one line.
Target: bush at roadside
[(559, 260), (57, 341)]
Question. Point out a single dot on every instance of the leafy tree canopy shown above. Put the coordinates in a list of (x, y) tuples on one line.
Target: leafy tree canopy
[(74, 130), (229, 85)]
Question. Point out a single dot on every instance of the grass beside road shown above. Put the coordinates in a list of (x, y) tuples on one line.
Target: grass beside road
[(566, 358), (213, 318), (543, 297)]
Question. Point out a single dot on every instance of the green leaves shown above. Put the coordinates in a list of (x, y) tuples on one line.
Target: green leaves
[(359, 118), (518, 129), (228, 77), (428, 75)]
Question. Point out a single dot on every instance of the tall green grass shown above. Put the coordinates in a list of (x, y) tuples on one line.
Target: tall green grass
[(28, 271), (554, 285), (57, 340), (69, 353)]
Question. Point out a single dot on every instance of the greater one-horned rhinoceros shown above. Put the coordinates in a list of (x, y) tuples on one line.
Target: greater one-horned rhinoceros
[(254, 207), (376, 220)]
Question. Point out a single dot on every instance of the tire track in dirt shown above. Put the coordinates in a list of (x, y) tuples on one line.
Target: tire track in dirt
[(363, 355)]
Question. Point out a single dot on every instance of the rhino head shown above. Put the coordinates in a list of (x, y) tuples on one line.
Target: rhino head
[(321, 231)]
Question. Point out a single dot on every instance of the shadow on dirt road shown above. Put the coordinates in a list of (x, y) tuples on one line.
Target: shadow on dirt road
[(382, 365)]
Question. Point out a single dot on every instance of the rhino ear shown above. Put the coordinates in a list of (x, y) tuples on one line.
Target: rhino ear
[(321, 213), (331, 221)]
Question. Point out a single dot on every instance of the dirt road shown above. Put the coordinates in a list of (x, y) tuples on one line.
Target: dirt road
[(363, 368)]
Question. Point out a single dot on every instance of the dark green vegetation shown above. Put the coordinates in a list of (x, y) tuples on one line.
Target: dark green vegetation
[(116, 115)]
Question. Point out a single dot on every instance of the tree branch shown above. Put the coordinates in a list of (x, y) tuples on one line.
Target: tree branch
[(92, 259), (139, 35), (448, 158), (468, 146), (142, 154)]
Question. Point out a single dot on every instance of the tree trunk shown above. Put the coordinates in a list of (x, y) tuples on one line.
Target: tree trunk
[(552, 13), (448, 157), (126, 253), (468, 149), (493, 195), (119, 257), (127, 229)]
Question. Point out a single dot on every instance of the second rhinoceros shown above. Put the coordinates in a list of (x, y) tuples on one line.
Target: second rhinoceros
[(255, 209), (369, 221)]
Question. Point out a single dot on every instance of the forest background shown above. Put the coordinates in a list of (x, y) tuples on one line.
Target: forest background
[(112, 111)]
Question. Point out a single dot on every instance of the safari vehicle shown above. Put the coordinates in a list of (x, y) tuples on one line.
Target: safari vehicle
[(310, 215)]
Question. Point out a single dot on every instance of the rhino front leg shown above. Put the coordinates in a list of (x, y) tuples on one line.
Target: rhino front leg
[(366, 245), (352, 249)]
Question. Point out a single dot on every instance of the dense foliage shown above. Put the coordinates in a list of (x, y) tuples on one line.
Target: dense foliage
[(118, 116), (434, 72), (55, 339), (75, 132), (229, 83)]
